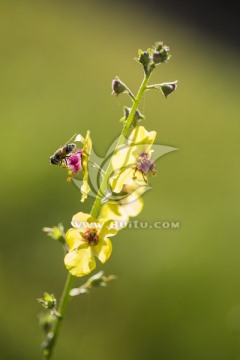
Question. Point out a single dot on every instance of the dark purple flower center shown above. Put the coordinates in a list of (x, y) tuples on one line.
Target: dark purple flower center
[(91, 236)]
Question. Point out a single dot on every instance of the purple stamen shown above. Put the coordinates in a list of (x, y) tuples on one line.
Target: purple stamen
[(144, 164), (74, 162)]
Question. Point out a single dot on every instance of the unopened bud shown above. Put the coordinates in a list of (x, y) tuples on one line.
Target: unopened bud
[(118, 86), (168, 88), (158, 46), (49, 301), (97, 280), (160, 53), (144, 58), (137, 116), (56, 233)]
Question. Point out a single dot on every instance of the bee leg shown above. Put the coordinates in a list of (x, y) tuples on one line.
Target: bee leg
[(66, 157)]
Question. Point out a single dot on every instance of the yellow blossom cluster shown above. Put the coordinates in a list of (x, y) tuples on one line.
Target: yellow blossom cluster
[(89, 237)]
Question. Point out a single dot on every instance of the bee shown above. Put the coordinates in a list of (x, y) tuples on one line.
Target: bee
[(63, 153)]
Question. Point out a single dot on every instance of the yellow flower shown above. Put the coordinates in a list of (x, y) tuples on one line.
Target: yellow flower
[(86, 151), (128, 205), (86, 240), (133, 160)]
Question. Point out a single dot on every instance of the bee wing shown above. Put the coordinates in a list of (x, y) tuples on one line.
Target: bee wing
[(79, 137)]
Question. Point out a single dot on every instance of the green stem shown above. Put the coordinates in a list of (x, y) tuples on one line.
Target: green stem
[(61, 312), (95, 210), (154, 87), (121, 140)]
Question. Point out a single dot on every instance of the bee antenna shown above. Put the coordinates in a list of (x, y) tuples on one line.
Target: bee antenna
[(71, 138)]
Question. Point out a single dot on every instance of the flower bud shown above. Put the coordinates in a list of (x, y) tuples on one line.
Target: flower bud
[(56, 232), (49, 301), (97, 280), (160, 53), (144, 58), (168, 88), (158, 46), (137, 116), (160, 56), (118, 86)]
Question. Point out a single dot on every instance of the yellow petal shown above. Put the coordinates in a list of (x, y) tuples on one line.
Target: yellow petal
[(133, 208), (134, 190), (115, 212), (85, 188), (80, 262), (87, 146), (106, 229), (122, 177), (73, 238), (103, 249), (139, 141), (139, 149), (81, 221), (122, 157), (132, 186), (110, 210), (81, 216), (141, 135)]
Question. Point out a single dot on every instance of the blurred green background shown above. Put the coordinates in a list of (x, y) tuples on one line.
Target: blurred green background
[(177, 295)]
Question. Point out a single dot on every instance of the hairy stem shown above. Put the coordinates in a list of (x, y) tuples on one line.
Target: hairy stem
[(61, 312)]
